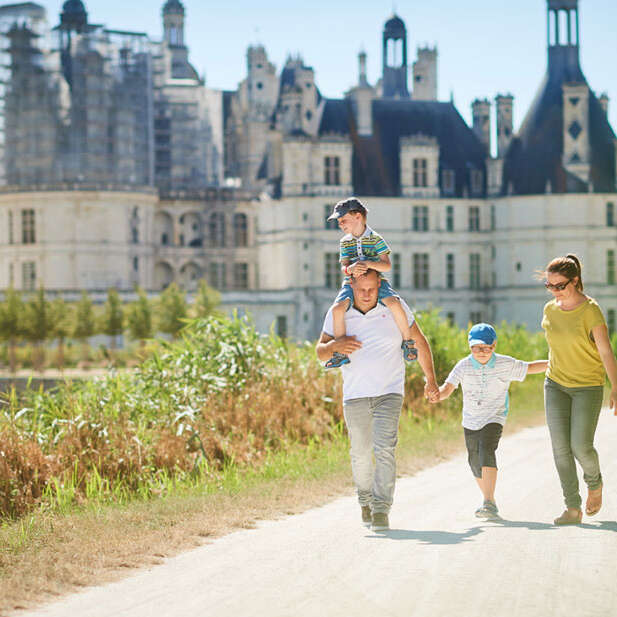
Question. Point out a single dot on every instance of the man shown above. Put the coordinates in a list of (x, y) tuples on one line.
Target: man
[(373, 387)]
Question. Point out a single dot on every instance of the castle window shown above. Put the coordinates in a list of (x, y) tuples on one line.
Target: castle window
[(420, 218), (136, 264), (27, 227), (11, 275), (449, 218), (259, 85), (611, 321), (450, 271), (281, 326), (474, 270), (475, 317), (420, 176), (610, 214), (451, 318), (610, 267), (477, 181), (217, 229), (396, 270), (241, 276), (420, 271), (240, 229), (217, 275), (448, 181), (332, 173), (10, 225), (333, 224), (334, 276), (474, 218), (28, 276)]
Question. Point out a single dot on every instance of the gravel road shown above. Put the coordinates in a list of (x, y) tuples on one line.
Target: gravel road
[(436, 561)]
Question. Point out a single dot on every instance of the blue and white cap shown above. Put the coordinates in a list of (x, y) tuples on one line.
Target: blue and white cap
[(482, 334)]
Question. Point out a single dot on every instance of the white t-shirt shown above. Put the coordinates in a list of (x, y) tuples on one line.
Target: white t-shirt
[(378, 367), (485, 388)]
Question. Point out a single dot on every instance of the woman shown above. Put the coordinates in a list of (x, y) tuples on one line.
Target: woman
[(579, 355)]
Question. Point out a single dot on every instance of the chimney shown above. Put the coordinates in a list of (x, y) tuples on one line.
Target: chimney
[(425, 75), (362, 81), (604, 102), (481, 111), (505, 108)]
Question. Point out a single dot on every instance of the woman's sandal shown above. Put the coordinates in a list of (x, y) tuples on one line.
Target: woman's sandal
[(594, 501), (571, 516)]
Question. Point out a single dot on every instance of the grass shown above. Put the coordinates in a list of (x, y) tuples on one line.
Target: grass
[(55, 550)]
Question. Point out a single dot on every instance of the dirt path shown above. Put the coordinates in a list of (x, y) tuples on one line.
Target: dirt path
[(437, 560)]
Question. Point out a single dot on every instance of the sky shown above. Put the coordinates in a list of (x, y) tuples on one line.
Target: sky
[(485, 47)]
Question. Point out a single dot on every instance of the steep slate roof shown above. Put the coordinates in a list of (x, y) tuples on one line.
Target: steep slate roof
[(335, 117), (535, 154)]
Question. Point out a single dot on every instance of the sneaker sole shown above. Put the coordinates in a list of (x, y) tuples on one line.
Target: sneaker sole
[(373, 528)]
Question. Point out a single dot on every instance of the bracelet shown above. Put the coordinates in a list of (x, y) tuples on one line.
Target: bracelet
[(346, 270)]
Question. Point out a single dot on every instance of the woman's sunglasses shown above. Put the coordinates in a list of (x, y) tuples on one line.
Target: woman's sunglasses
[(557, 286)]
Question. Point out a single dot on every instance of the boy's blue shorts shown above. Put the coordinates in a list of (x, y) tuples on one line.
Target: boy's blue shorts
[(385, 291)]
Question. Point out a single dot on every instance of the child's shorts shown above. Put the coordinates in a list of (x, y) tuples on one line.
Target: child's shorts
[(346, 293), (481, 447)]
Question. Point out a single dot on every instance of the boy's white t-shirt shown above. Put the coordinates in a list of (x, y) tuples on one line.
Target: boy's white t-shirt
[(485, 388), (378, 367)]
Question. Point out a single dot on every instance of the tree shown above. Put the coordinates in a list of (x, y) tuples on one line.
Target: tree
[(38, 326), (207, 300), (113, 316), (139, 318), (11, 330), (62, 319), (85, 323), (172, 310)]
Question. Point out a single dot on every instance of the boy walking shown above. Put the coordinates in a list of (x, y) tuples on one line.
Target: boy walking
[(485, 378)]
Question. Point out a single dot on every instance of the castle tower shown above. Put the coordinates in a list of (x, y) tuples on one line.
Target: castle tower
[(425, 75), (73, 19), (481, 112), (505, 111), (173, 23), (395, 59), (562, 32)]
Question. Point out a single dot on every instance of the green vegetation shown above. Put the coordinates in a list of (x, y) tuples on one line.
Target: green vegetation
[(221, 401)]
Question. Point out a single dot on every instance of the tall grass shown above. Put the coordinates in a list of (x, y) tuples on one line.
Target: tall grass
[(220, 400)]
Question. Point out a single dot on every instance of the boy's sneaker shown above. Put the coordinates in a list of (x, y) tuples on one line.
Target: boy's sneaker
[(380, 522), (488, 510), (410, 353), (367, 516), (337, 360)]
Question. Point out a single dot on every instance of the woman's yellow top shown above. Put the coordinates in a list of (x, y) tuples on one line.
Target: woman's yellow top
[(573, 358)]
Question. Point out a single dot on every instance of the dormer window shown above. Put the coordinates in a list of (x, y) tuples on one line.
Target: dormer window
[(477, 181), (448, 181), (420, 178), (332, 170)]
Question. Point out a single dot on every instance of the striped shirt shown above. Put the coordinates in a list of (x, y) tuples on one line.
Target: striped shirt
[(367, 247), (485, 388)]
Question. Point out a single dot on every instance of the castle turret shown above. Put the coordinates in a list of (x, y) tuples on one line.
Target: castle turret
[(481, 112), (395, 59), (425, 75), (505, 108)]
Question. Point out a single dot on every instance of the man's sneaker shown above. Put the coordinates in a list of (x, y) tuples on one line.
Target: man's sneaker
[(367, 516), (380, 522), (337, 360), (410, 353)]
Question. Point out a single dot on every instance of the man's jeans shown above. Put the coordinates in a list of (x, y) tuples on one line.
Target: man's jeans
[(372, 424), (572, 417)]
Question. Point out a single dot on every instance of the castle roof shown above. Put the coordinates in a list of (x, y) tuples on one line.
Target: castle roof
[(376, 161)]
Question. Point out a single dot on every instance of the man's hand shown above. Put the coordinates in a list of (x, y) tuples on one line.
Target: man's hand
[(431, 392), (346, 344)]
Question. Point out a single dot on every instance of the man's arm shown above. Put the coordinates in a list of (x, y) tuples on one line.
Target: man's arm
[(425, 358), (327, 345), (445, 391)]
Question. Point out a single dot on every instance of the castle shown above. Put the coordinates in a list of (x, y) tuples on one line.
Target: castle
[(121, 167)]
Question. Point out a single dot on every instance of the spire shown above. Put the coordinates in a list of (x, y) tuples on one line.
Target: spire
[(395, 58)]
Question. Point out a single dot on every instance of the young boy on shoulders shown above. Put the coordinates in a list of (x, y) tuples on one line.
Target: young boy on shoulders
[(360, 249), (485, 377)]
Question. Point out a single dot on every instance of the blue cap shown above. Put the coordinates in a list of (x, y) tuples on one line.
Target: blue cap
[(482, 334)]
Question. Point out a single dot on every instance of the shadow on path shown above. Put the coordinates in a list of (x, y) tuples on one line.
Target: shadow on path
[(429, 537)]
